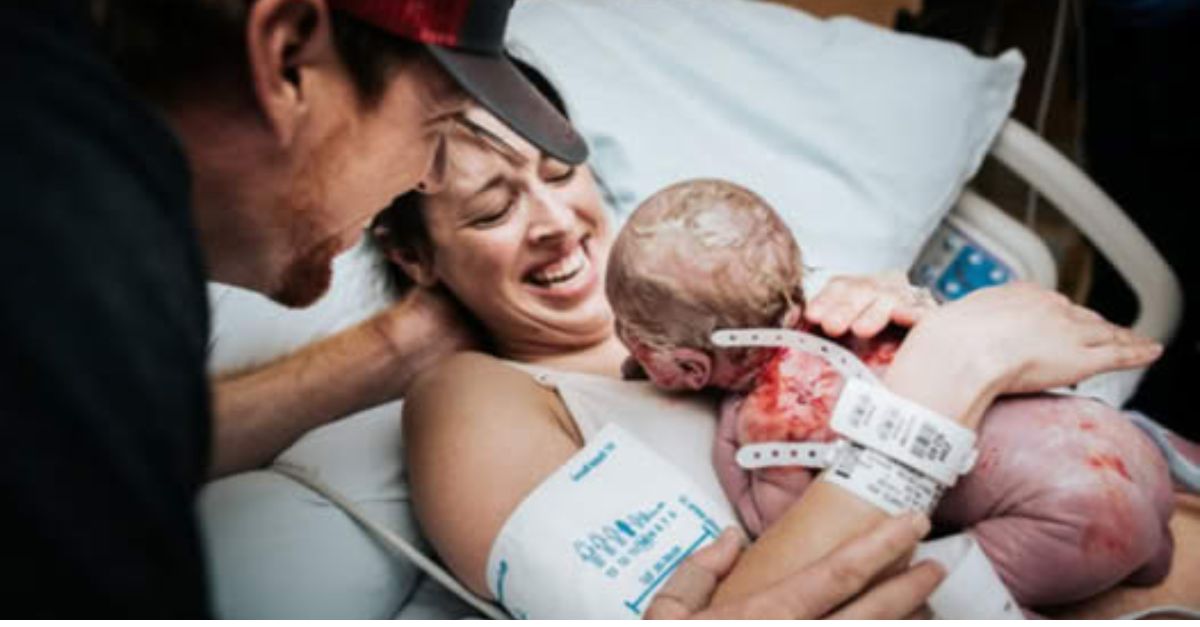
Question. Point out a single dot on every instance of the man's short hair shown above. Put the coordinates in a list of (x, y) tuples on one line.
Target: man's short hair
[(173, 49)]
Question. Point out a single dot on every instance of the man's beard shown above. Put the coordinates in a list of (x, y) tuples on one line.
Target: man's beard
[(308, 276)]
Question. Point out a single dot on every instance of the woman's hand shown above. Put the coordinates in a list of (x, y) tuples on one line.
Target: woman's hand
[(866, 305), (843, 585), (1030, 339), (1016, 338)]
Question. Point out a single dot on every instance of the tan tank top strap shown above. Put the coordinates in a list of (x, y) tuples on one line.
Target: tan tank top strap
[(559, 382), (545, 377)]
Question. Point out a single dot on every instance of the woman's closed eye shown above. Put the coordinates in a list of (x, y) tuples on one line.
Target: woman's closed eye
[(495, 215), (557, 172)]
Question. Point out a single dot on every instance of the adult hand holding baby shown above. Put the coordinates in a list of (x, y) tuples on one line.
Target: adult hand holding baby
[(846, 584), (1011, 339)]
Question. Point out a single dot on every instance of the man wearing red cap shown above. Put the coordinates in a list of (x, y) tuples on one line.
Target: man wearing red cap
[(150, 145)]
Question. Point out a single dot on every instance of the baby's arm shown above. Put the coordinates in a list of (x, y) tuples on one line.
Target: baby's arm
[(760, 497)]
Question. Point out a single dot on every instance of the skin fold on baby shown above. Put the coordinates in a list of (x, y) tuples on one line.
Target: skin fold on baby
[(1067, 498)]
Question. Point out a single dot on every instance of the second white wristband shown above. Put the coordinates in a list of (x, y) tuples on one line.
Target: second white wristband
[(917, 437)]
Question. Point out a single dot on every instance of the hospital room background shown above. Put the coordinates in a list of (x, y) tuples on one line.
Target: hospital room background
[(1110, 84), (1072, 168)]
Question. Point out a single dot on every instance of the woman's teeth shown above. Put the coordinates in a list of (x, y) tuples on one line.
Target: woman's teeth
[(563, 270)]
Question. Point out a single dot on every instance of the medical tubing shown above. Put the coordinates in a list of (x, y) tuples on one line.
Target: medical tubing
[(1187, 613), (1183, 470), (1047, 95), (390, 540)]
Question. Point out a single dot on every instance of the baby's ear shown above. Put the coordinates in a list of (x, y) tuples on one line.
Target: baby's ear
[(695, 367), (632, 370)]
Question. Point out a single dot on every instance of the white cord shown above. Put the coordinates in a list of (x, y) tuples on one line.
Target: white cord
[(1039, 125), (391, 540)]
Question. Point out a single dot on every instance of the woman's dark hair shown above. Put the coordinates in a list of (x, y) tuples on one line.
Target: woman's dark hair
[(171, 50), (402, 226)]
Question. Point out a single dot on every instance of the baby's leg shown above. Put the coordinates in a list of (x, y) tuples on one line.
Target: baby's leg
[(1067, 499)]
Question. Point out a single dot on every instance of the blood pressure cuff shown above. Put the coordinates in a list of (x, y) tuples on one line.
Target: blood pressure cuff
[(601, 535)]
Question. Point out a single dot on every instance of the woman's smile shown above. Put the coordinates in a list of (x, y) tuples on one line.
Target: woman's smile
[(566, 277)]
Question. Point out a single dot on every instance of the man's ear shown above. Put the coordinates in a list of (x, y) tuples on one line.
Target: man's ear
[(285, 40), (695, 367), (416, 263)]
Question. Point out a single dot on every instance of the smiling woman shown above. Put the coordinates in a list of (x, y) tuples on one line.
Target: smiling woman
[(521, 241), (519, 238)]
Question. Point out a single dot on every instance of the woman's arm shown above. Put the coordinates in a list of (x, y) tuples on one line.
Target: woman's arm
[(262, 411), (1016, 338), (479, 436)]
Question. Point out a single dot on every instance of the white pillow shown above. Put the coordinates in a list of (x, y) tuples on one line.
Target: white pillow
[(860, 137), (248, 329)]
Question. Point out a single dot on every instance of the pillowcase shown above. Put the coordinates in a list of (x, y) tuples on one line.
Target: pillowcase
[(861, 138)]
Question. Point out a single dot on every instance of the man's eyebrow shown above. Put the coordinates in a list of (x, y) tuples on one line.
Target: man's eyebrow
[(493, 140)]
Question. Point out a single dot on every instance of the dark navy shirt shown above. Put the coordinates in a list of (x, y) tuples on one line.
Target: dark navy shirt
[(104, 404)]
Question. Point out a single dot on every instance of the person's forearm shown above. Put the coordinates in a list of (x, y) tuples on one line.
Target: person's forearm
[(260, 412), (827, 515)]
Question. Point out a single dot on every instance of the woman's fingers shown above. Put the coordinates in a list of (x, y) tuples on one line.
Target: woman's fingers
[(900, 596), (846, 572), (692, 584), (1124, 356)]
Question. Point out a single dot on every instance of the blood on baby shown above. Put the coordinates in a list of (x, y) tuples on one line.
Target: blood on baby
[(1103, 461), (1113, 532), (1101, 538), (1087, 425), (792, 400)]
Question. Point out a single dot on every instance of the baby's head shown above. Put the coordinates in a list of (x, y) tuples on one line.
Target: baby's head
[(696, 257)]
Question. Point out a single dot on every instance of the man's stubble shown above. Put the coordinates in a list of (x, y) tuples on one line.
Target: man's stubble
[(309, 273)]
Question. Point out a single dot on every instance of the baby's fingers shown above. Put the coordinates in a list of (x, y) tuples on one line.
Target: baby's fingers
[(838, 306), (875, 318)]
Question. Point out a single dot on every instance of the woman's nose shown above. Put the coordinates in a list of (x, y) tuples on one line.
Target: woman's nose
[(550, 218)]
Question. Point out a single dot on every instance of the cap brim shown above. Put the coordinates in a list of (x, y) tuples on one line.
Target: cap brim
[(500, 87)]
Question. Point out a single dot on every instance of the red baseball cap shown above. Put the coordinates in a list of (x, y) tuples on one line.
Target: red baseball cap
[(467, 38)]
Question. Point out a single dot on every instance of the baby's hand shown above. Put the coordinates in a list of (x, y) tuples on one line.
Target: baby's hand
[(866, 305)]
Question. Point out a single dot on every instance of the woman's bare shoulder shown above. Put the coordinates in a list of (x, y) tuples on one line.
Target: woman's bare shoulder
[(479, 436), (469, 381)]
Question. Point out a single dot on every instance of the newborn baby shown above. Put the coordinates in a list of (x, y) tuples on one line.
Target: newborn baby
[(1067, 498)]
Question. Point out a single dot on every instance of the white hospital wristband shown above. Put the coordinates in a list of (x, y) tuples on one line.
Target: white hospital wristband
[(904, 431), (882, 482)]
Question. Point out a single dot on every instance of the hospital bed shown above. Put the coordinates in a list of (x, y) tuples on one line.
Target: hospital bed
[(976, 233), (660, 88)]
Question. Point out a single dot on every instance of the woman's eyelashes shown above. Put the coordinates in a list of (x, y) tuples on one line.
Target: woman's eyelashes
[(556, 172), (494, 216)]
